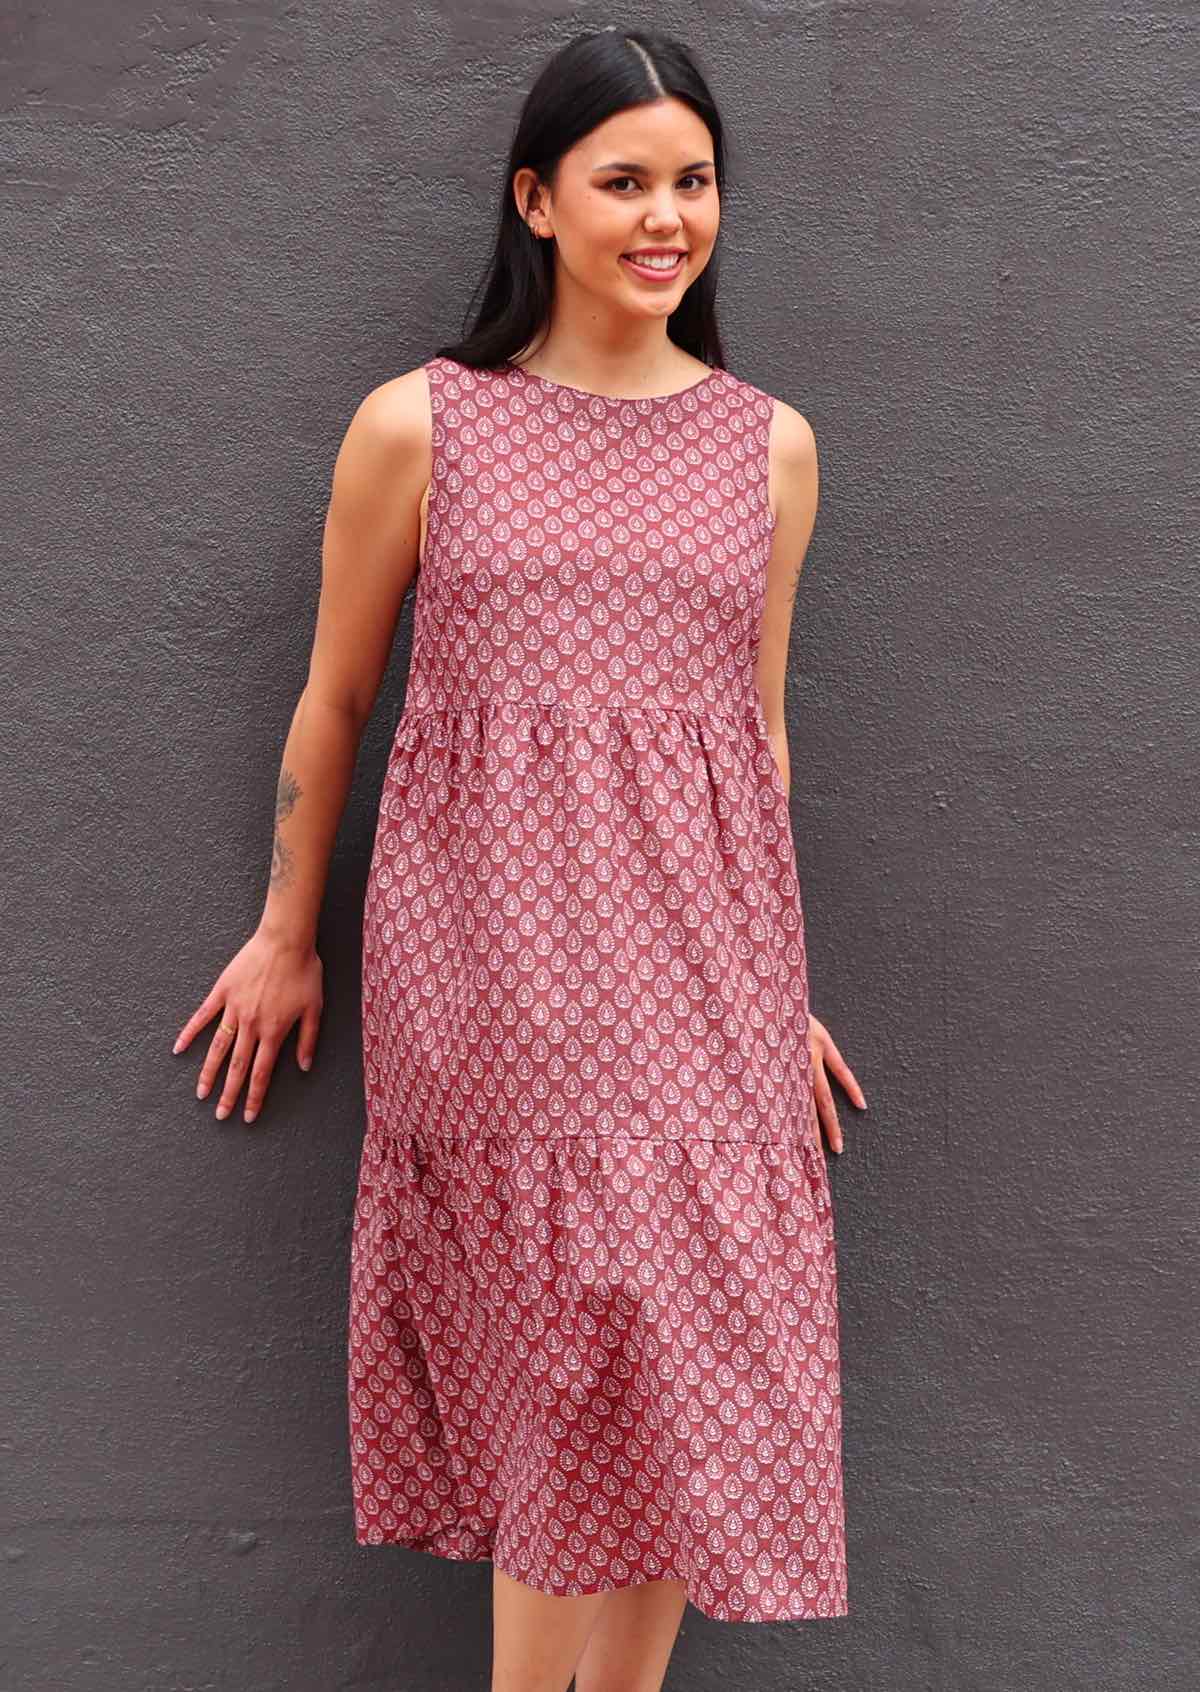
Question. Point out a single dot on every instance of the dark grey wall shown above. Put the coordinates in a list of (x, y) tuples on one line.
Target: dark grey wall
[(962, 242)]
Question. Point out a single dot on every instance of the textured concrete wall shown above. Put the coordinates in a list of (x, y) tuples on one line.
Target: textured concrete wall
[(962, 240)]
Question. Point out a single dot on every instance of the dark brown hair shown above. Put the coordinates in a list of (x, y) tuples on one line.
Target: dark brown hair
[(586, 82)]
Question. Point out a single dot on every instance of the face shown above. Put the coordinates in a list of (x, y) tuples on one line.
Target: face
[(639, 188)]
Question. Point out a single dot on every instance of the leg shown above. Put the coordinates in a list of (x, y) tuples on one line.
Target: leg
[(536, 1639), (631, 1643)]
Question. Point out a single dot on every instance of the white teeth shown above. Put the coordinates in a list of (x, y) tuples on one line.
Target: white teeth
[(660, 263)]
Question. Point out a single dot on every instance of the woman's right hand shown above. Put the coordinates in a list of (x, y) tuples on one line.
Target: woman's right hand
[(260, 993)]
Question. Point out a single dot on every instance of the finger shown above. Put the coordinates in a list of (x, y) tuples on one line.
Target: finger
[(239, 1063), (815, 1130), (828, 1112), (833, 1129), (219, 1049), (842, 1070), (846, 1077), (202, 1015), (260, 1076), (306, 1043)]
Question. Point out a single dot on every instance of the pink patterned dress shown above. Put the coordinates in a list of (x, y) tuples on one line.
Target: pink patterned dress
[(593, 1330)]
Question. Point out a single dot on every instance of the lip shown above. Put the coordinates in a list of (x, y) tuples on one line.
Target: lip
[(645, 272)]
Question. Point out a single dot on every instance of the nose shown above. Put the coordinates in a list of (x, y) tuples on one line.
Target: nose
[(663, 216)]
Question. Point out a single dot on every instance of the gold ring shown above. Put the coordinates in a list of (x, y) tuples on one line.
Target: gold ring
[(225, 1029)]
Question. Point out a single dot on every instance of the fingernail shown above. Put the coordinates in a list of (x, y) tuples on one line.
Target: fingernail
[(306, 1063), (201, 1089), (250, 1115), (175, 1047), (222, 1112)]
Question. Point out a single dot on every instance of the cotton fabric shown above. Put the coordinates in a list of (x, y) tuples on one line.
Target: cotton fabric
[(593, 1327)]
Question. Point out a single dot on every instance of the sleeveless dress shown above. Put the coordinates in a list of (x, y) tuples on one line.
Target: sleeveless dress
[(593, 1329)]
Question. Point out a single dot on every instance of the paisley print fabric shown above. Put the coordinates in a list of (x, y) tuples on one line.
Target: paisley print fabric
[(593, 1325)]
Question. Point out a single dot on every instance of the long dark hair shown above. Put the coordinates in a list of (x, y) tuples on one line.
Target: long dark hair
[(586, 82)]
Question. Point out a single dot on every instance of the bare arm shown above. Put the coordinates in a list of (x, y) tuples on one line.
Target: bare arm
[(795, 478), (794, 470), (369, 558)]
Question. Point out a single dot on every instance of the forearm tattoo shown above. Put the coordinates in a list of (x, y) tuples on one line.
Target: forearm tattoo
[(283, 859)]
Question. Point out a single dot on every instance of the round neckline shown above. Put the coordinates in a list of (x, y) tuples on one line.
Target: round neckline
[(614, 399)]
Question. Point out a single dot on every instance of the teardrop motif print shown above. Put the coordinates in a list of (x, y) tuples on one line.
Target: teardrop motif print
[(593, 1326)]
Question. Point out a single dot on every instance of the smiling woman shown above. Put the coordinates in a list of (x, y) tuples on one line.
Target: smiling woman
[(593, 1320), (588, 1046), (649, 216)]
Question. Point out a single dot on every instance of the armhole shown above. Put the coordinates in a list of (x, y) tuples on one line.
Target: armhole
[(435, 375), (770, 518)]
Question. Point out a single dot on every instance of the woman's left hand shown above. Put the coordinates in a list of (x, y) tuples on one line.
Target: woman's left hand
[(825, 1056)]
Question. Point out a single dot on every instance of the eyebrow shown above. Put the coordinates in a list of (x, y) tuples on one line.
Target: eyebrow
[(641, 169)]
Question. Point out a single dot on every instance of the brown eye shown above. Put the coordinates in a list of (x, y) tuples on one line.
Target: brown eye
[(700, 181)]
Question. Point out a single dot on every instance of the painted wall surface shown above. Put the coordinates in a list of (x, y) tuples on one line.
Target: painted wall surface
[(961, 239)]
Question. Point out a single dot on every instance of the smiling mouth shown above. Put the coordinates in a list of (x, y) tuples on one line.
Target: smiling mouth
[(655, 266)]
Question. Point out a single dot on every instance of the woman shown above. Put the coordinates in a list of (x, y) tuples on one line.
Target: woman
[(593, 1324)]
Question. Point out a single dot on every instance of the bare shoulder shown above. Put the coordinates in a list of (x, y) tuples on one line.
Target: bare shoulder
[(793, 471), (396, 415), (388, 444), (792, 437)]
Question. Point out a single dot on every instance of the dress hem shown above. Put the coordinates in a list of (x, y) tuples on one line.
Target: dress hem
[(468, 1548)]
